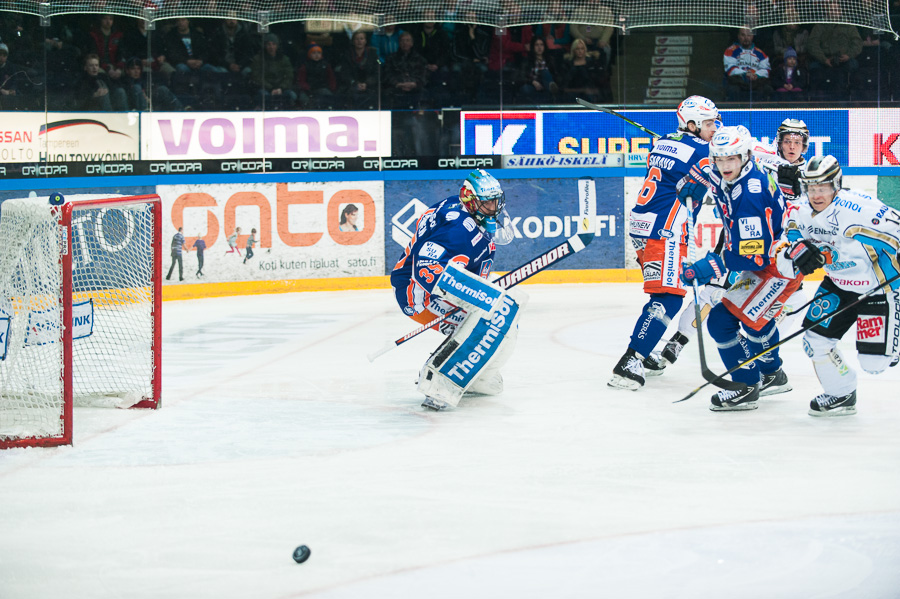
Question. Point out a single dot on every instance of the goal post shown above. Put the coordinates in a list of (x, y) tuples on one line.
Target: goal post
[(80, 312)]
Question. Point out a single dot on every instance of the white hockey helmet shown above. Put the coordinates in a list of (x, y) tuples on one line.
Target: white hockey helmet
[(821, 169), (732, 141), (792, 127), (696, 109)]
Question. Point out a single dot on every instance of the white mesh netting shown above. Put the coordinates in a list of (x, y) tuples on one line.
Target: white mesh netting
[(618, 13), (112, 298)]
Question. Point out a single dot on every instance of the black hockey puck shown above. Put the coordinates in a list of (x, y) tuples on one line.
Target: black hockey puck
[(301, 554)]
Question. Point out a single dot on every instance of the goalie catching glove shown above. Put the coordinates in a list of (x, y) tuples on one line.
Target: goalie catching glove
[(703, 270)]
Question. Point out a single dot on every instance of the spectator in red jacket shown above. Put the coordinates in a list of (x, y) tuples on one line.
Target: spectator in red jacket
[(106, 42)]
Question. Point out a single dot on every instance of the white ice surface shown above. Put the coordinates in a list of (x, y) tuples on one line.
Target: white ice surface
[(276, 431)]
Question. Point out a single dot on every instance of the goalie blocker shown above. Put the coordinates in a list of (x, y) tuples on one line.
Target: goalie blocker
[(470, 359)]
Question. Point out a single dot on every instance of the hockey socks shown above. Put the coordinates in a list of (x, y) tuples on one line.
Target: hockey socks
[(733, 347), (654, 319)]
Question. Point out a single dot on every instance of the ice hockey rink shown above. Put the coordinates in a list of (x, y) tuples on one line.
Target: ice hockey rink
[(276, 431)]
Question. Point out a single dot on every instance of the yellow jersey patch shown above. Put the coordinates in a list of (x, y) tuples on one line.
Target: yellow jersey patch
[(751, 247)]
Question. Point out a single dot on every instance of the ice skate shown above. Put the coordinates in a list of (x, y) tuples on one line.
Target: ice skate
[(775, 383), (673, 348), (829, 405), (629, 372), (742, 399), (654, 365)]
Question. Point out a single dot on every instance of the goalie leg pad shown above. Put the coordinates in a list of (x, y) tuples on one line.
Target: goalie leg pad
[(490, 382), (479, 345), (833, 372)]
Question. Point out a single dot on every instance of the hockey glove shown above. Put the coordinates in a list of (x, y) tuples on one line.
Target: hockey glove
[(703, 270), (789, 178), (689, 187), (807, 258)]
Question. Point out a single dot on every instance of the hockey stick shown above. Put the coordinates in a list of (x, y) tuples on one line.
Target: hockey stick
[(587, 201), (791, 336), (593, 106), (708, 374)]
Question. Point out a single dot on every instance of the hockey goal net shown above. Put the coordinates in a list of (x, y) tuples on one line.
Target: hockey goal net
[(79, 312)]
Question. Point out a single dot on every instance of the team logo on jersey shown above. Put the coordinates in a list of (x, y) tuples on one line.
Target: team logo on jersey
[(754, 186), (751, 227), (751, 247), (665, 233)]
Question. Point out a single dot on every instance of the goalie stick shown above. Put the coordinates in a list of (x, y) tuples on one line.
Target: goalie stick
[(814, 324), (593, 106), (587, 202)]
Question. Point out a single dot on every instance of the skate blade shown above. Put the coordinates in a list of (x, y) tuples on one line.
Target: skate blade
[(620, 382), (648, 372), (776, 390), (436, 406), (846, 411), (741, 407)]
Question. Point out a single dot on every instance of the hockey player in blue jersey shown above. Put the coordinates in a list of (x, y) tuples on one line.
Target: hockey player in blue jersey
[(752, 209), (658, 232), (446, 265), (785, 158)]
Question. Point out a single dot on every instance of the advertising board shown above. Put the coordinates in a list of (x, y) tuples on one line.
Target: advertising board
[(875, 136), (544, 212), (39, 137), (594, 132), (299, 230), (257, 135)]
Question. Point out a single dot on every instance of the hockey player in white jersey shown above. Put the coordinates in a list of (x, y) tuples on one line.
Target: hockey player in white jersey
[(856, 238)]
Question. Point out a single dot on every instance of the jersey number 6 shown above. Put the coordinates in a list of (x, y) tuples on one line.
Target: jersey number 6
[(649, 189)]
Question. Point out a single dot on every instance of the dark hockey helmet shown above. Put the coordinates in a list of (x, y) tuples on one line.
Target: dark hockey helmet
[(478, 190), (821, 169), (792, 127)]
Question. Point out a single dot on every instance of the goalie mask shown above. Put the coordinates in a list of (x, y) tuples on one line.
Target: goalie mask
[(483, 199)]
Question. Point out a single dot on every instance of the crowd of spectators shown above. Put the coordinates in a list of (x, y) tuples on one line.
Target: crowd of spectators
[(111, 62), (825, 62), (114, 63)]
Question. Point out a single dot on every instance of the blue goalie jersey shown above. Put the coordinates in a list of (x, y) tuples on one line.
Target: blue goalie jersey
[(444, 233)]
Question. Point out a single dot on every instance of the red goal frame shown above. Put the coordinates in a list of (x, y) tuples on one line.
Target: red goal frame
[(65, 222)]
